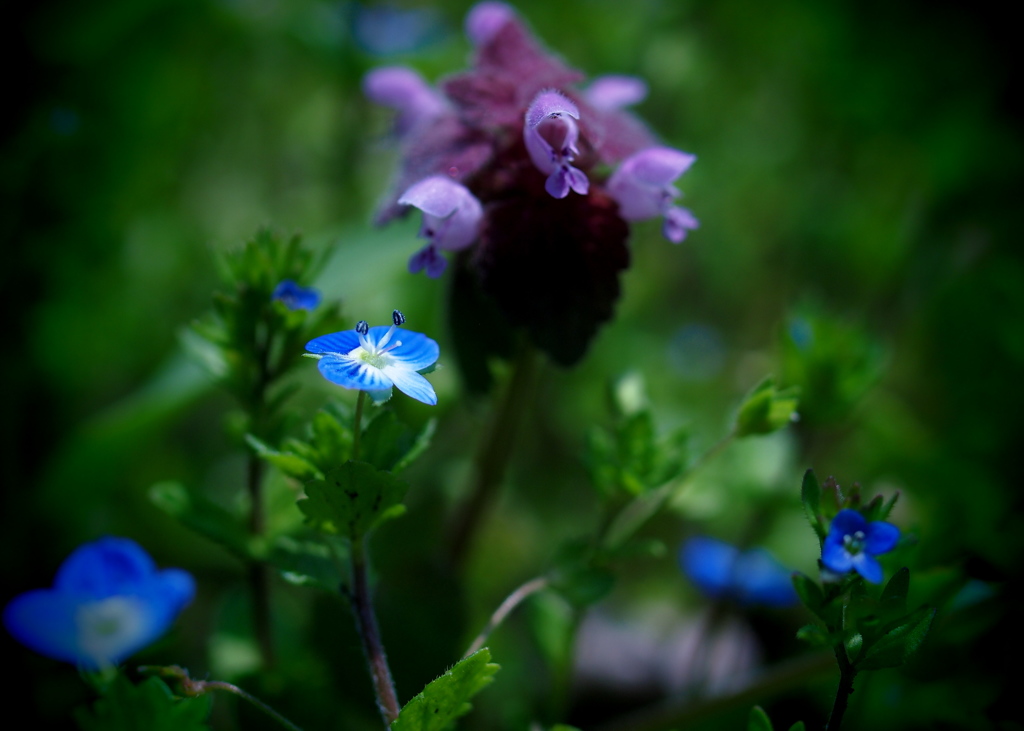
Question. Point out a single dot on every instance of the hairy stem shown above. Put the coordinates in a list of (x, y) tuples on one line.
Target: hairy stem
[(492, 456), (357, 424), (512, 601), (366, 623)]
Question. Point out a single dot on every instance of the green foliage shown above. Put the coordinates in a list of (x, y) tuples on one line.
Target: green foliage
[(810, 496), (203, 516), (447, 698), (758, 720), (390, 445), (629, 459), (148, 706), (308, 563), (353, 499), (894, 647), (766, 409)]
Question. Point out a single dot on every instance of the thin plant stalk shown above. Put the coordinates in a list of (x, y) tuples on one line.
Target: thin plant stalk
[(512, 601), (847, 673)]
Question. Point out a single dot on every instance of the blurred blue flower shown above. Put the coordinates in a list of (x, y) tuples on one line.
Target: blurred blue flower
[(852, 543), (374, 359), (749, 577), (108, 601), (296, 297)]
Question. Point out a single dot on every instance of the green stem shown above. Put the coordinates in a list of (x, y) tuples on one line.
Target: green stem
[(512, 601), (366, 623), (357, 424), (492, 456), (847, 672), (259, 574)]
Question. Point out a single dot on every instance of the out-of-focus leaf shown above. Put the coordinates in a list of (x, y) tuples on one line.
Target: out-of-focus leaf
[(203, 516), (447, 698), (150, 705), (810, 496), (289, 463), (766, 409), (306, 563), (758, 720), (353, 499), (895, 646)]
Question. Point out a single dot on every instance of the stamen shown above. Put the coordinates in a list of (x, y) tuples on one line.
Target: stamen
[(398, 318), (396, 344), (362, 327)]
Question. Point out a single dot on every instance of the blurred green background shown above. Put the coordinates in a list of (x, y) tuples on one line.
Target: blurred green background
[(858, 186)]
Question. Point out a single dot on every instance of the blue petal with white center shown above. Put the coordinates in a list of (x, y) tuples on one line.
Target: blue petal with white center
[(852, 544), (108, 601), (375, 359)]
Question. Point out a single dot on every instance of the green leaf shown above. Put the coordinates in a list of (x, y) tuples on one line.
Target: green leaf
[(331, 439), (583, 585), (758, 720), (553, 622), (203, 516), (815, 635), (390, 445), (148, 706), (894, 647), (288, 462), (811, 595), (798, 726), (766, 409), (447, 698), (353, 499), (306, 563), (894, 595), (810, 496)]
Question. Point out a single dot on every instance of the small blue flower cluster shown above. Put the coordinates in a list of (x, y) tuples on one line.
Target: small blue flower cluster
[(751, 577), (852, 544)]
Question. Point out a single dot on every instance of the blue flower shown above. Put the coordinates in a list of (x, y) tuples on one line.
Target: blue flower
[(374, 359), (108, 601), (852, 543), (749, 577), (295, 297)]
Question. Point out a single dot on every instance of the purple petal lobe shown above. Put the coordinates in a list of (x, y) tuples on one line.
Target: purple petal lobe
[(677, 222), (880, 537), (485, 20), (607, 93), (658, 166), (642, 186), (428, 258), (405, 91), (451, 214), (550, 134)]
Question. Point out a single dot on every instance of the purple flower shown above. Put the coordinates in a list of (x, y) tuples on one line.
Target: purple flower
[(608, 93), (107, 602), (373, 359), (451, 220), (559, 236), (550, 133), (749, 577), (295, 297), (852, 543), (643, 188), (406, 92)]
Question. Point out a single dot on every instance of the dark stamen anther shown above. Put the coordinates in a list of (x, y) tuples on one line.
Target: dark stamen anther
[(362, 327), (398, 318)]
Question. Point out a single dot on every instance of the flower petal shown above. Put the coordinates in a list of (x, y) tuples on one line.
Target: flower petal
[(658, 165), (709, 564), (835, 556), (759, 578), (678, 221), (349, 373), (451, 213), (416, 352), (412, 384), (340, 342), (880, 537), (607, 93), (405, 91), (104, 567), (485, 20), (548, 104), (848, 522), (430, 259), (868, 567), (44, 620)]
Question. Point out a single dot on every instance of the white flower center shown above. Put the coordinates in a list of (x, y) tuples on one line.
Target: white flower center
[(111, 628), (854, 543)]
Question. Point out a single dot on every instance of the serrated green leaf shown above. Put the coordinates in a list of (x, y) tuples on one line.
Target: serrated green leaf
[(390, 445), (148, 706), (353, 499), (894, 647), (203, 516), (447, 698), (758, 720)]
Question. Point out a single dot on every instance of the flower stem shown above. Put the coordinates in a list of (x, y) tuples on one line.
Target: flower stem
[(192, 687), (492, 456), (357, 424), (366, 623), (847, 673), (259, 575), (512, 601)]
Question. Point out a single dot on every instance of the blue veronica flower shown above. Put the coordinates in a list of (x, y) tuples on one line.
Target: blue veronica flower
[(108, 601), (749, 577), (852, 543), (374, 359), (296, 297)]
